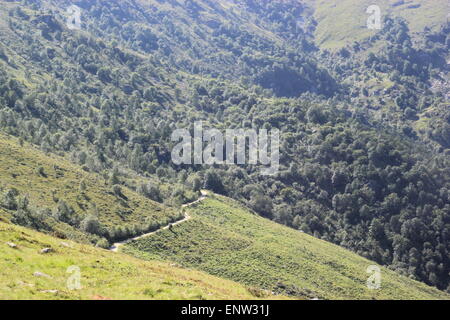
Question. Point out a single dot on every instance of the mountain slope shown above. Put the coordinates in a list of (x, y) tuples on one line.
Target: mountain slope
[(103, 274), (31, 181), (241, 246), (356, 169)]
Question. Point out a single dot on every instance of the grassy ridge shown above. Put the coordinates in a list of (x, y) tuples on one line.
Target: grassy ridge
[(60, 180), (227, 240), (104, 274), (343, 21)]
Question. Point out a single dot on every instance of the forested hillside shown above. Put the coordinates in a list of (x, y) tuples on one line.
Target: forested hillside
[(365, 126)]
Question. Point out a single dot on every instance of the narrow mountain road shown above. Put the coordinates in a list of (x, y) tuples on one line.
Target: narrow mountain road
[(115, 247)]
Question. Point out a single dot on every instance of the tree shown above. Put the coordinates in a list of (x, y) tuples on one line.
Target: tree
[(283, 214), (117, 190), (64, 213), (104, 74), (150, 191), (9, 200), (196, 184), (262, 205), (90, 224), (316, 115), (103, 243), (213, 182), (376, 230)]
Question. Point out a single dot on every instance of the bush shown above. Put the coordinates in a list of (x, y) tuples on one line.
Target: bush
[(214, 182), (103, 243), (90, 224), (117, 190), (65, 214), (41, 171), (9, 200)]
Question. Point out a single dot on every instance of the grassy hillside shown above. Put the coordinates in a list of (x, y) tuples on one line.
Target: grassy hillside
[(343, 21), (47, 179), (104, 274), (228, 240)]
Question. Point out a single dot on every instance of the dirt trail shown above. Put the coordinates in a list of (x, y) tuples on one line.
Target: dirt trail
[(115, 247)]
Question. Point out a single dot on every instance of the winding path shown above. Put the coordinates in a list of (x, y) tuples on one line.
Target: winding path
[(115, 247)]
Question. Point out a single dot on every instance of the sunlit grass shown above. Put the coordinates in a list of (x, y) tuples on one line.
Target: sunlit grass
[(104, 274), (61, 181), (225, 239)]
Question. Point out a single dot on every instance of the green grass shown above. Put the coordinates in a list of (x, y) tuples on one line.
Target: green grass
[(225, 239), (61, 180), (104, 274), (343, 21)]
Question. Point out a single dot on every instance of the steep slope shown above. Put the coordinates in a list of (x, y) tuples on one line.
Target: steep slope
[(223, 238), (222, 39), (37, 185), (29, 274)]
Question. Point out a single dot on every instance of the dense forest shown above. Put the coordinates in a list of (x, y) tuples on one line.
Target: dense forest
[(365, 129)]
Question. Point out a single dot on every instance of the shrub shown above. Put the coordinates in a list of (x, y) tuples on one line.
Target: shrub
[(103, 243), (90, 224), (9, 200)]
